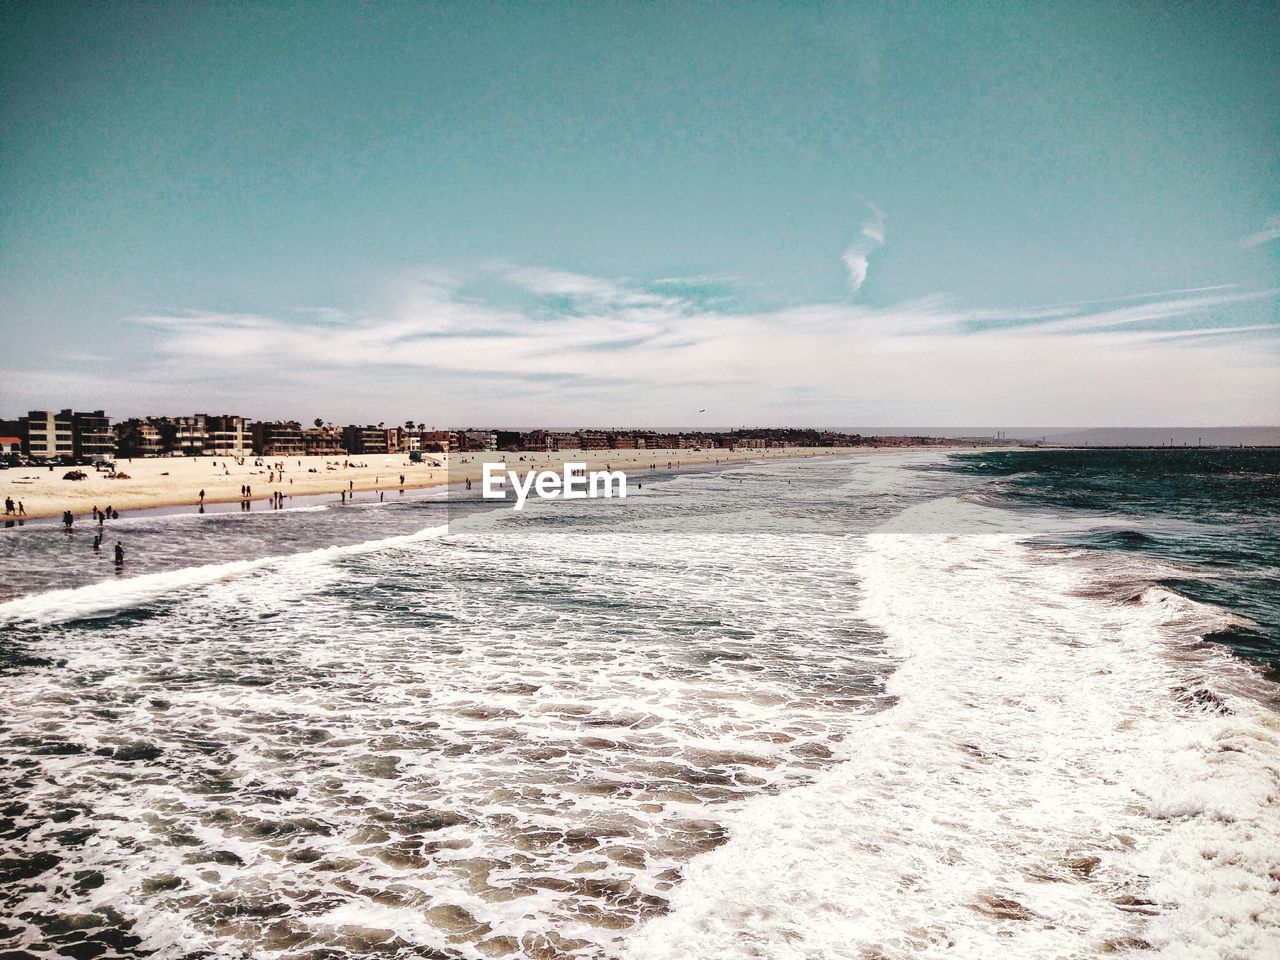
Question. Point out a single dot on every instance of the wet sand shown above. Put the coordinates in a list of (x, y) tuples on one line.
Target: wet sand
[(177, 481)]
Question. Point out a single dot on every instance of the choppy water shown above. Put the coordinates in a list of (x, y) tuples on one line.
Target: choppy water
[(808, 709)]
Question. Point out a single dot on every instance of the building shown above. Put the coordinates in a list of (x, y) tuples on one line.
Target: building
[(92, 435), (225, 436), (67, 435), (138, 438), (563, 441), (10, 446), (49, 435), (188, 435), (279, 438), (514, 440), (323, 442), (478, 440), (593, 440), (397, 440), (438, 441), (658, 441), (364, 440)]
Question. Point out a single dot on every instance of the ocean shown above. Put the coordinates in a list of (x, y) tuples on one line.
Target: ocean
[(886, 705)]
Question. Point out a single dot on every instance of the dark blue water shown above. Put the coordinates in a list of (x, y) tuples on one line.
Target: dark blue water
[(1214, 512)]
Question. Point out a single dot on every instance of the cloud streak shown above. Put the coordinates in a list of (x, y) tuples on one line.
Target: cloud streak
[(551, 347), (1270, 231), (857, 258)]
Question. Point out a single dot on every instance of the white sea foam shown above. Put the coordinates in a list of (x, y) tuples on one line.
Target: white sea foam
[(55, 606), (1040, 789), (513, 743)]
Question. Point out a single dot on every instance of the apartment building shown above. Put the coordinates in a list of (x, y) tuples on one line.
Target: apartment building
[(91, 435), (49, 435), (225, 436), (322, 442), (364, 440), (478, 440), (66, 434), (188, 434), (279, 438), (442, 441), (397, 440), (138, 438), (658, 441)]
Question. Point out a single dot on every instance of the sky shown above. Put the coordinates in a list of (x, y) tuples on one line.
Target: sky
[(643, 214)]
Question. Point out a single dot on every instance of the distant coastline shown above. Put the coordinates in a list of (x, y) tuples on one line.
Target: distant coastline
[(162, 482)]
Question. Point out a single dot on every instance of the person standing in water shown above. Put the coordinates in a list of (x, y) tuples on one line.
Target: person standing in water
[(119, 554), (97, 542)]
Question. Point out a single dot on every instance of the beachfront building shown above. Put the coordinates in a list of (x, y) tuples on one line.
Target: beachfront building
[(188, 435), (225, 436), (279, 438), (92, 436), (323, 441), (438, 441), (138, 438), (658, 441), (365, 440), (49, 435), (10, 446), (478, 440), (563, 441), (623, 441), (397, 440)]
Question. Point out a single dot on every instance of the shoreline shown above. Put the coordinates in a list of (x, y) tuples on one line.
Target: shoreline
[(163, 485)]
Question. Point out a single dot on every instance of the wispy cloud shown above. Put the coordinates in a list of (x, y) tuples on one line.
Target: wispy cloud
[(857, 258), (1270, 231), (566, 348)]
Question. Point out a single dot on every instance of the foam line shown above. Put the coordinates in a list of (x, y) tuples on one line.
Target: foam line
[(55, 606)]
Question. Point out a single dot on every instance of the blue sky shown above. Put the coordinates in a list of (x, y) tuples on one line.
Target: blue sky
[(625, 213)]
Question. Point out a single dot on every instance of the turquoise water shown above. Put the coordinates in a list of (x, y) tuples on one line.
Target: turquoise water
[(1214, 514)]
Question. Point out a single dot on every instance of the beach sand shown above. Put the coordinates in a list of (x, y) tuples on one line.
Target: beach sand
[(177, 481)]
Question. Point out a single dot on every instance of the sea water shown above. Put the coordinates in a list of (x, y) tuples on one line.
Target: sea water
[(884, 705)]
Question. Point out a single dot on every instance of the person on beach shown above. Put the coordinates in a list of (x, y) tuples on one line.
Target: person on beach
[(119, 554), (202, 496), (97, 542), (22, 511), (8, 506), (67, 519)]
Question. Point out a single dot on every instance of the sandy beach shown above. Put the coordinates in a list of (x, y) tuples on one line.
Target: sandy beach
[(177, 481)]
